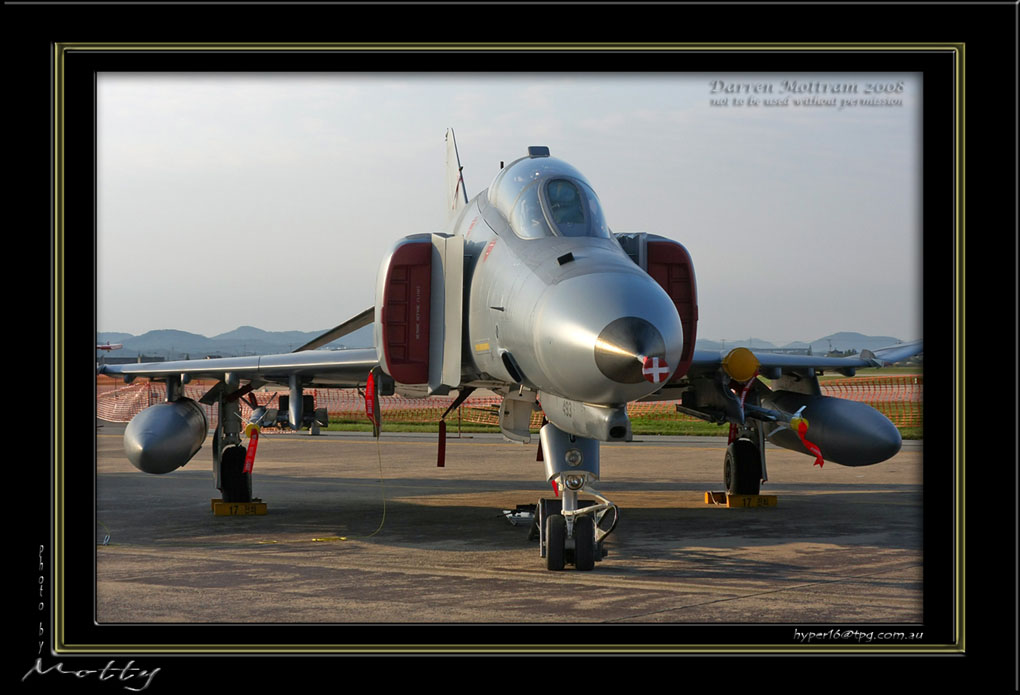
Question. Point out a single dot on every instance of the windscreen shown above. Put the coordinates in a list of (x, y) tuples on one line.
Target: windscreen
[(543, 197)]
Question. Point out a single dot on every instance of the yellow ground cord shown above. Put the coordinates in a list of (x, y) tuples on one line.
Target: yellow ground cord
[(382, 521), (382, 485), (326, 539)]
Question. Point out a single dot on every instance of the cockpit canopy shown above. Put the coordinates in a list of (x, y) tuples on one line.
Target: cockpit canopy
[(541, 196)]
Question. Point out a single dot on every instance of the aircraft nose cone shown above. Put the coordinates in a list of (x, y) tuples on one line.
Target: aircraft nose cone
[(605, 338), (629, 350)]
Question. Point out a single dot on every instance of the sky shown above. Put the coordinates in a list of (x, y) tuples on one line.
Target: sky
[(270, 200)]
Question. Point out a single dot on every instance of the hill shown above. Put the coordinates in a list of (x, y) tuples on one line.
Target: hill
[(245, 340), (249, 340)]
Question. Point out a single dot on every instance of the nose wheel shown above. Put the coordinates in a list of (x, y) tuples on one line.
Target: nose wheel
[(574, 537), (584, 544), (555, 542)]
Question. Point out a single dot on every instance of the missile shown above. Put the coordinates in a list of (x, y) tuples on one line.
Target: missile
[(164, 437), (846, 432)]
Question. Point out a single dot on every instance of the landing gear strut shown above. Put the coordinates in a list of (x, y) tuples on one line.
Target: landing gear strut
[(571, 531), (229, 454)]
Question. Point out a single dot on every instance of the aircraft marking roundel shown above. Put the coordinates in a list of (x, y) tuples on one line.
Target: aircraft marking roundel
[(655, 369)]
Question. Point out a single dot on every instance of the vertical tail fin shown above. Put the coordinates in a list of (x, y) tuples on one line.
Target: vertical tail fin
[(456, 196)]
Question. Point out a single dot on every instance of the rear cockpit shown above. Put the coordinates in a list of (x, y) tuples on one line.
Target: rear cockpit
[(541, 196)]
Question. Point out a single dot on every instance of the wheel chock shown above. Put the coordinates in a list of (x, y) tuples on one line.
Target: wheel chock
[(723, 499), (253, 508)]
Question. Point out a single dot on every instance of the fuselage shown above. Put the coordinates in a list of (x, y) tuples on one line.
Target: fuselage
[(552, 300)]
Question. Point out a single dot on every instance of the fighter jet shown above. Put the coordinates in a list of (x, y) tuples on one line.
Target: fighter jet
[(529, 293)]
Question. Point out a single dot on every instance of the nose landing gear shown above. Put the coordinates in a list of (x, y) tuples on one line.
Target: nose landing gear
[(582, 545), (571, 531)]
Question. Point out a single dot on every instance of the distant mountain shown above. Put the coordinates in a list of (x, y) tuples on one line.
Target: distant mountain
[(751, 343), (102, 338), (248, 340), (257, 334), (164, 342), (851, 341), (245, 340), (841, 342)]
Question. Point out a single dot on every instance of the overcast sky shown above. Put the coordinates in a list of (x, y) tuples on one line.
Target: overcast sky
[(262, 200)]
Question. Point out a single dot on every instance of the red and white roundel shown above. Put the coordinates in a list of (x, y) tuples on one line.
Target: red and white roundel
[(655, 369)]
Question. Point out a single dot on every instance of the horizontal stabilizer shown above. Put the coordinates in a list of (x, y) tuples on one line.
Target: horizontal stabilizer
[(347, 327)]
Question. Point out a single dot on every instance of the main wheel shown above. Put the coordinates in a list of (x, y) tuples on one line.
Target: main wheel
[(584, 543), (742, 469), (235, 484), (555, 540)]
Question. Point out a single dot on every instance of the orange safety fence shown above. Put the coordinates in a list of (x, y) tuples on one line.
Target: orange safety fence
[(897, 397), (900, 398)]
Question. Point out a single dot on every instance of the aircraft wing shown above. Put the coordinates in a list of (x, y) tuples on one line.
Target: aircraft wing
[(315, 367), (711, 360)]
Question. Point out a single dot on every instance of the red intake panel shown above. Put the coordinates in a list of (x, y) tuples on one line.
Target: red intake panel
[(670, 265), (405, 313)]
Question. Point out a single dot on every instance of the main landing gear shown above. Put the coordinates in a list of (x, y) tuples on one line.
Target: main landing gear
[(744, 465), (571, 531), (742, 468), (235, 484), (229, 454)]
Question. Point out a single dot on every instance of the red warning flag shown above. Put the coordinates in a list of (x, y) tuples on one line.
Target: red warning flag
[(457, 402), (372, 403), (801, 430), (249, 458), (441, 461)]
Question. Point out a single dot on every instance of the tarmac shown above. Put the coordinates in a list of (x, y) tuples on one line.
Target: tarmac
[(360, 531)]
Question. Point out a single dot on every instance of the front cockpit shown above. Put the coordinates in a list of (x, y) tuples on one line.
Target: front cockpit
[(541, 196), (556, 304)]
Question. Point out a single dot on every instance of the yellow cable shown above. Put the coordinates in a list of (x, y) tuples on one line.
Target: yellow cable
[(382, 522), (106, 541), (382, 484)]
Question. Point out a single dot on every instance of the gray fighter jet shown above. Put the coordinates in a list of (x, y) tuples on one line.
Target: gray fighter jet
[(531, 294)]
